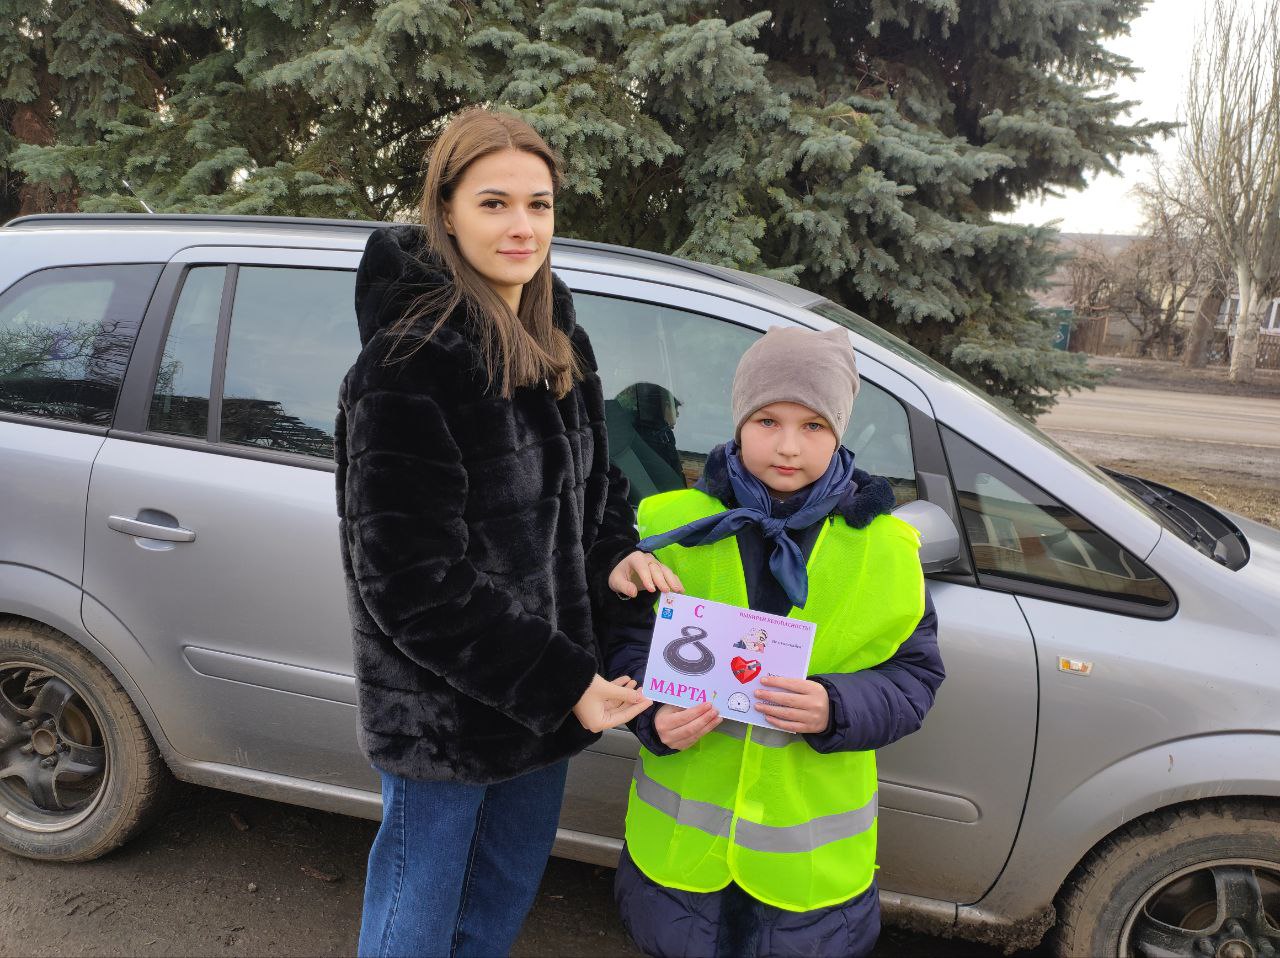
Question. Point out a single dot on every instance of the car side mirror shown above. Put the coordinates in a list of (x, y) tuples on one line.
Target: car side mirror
[(939, 538)]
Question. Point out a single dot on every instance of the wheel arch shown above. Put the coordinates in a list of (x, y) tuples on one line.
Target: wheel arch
[(1222, 766), (1097, 905), (38, 597)]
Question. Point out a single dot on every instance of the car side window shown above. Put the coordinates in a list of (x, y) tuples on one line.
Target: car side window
[(65, 339), (180, 403), (667, 376), (1019, 531), (293, 337), (879, 435)]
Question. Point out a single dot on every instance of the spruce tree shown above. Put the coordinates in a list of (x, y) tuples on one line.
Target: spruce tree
[(860, 149)]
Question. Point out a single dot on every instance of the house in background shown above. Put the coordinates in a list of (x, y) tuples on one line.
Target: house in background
[(1094, 328), (1229, 308), (1097, 329), (1225, 311)]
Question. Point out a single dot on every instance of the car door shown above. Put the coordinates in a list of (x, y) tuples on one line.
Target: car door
[(953, 793), (65, 337), (212, 531), (1109, 671)]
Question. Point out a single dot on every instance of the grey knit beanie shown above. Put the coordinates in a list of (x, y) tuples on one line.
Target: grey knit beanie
[(786, 364)]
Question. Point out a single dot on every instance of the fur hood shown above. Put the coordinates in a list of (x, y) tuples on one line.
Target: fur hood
[(407, 269)]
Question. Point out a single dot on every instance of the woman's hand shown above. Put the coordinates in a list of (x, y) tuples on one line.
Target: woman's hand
[(642, 569), (679, 728), (605, 704), (794, 705)]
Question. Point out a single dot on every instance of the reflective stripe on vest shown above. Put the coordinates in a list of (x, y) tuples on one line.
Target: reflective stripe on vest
[(703, 816), (715, 820), (768, 737), (756, 805)]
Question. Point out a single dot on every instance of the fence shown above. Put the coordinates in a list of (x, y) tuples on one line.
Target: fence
[(1090, 336), (1219, 351)]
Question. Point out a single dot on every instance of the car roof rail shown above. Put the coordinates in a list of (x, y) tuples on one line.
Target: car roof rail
[(225, 219), (762, 284)]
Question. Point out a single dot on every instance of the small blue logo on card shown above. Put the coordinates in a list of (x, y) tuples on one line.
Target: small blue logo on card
[(668, 613)]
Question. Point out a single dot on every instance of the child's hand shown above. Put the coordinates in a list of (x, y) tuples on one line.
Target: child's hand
[(794, 705), (679, 728), (644, 569)]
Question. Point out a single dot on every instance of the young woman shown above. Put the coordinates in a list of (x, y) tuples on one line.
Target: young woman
[(479, 518)]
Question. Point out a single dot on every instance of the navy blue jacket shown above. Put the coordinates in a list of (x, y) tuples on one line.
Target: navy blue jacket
[(869, 709)]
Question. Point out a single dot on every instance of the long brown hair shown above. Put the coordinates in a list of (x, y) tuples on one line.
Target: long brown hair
[(518, 350)]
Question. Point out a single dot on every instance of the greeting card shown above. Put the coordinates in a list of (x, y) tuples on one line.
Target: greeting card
[(705, 651)]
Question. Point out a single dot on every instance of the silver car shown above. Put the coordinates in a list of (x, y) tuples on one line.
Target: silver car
[(1105, 751)]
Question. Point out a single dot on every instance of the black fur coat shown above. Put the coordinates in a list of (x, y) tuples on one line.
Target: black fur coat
[(474, 531)]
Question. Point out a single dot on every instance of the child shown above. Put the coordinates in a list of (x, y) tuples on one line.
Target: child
[(748, 841)]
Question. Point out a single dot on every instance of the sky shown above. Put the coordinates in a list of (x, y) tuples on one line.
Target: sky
[(1159, 43)]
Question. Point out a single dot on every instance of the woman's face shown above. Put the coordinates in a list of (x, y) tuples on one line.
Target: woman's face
[(502, 217)]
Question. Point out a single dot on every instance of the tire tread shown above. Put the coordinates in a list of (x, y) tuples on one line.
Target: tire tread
[(1075, 900), (153, 784)]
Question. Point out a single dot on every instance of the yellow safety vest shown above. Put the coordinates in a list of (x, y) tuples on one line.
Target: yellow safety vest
[(796, 829)]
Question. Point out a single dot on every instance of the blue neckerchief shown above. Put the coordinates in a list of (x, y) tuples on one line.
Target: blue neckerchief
[(755, 505)]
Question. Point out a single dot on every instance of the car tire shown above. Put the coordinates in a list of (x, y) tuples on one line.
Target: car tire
[(1200, 879), (79, 772)]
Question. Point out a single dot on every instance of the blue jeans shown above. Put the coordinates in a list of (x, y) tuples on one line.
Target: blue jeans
[(454, 868)]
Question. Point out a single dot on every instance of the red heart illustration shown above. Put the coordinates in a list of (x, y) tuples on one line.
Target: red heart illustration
[(744, 670)]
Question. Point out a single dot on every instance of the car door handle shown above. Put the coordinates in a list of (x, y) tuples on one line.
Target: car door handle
[(149, 530)]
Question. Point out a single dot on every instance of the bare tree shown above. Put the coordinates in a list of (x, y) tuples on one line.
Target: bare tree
[(1139, 297), (1230, 151), (1186, 266), (1090, 275), (1173, 207), (1146, 282)]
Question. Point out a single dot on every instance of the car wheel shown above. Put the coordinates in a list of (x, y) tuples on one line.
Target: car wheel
[(1200, 880), (79, 774)]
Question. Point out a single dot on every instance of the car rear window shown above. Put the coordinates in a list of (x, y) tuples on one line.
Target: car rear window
[(65, 339), (293, 337)]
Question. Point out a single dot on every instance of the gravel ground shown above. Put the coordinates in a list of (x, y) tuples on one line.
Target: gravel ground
[(1240, 479)]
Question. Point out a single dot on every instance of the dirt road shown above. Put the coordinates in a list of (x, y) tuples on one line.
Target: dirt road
[(1163, 414), (289, 884), (1222, 449)]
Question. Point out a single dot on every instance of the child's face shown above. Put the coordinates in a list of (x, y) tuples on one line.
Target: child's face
[(787, 446)]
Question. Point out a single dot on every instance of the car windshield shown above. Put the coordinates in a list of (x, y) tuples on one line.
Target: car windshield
[(899, 347)]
